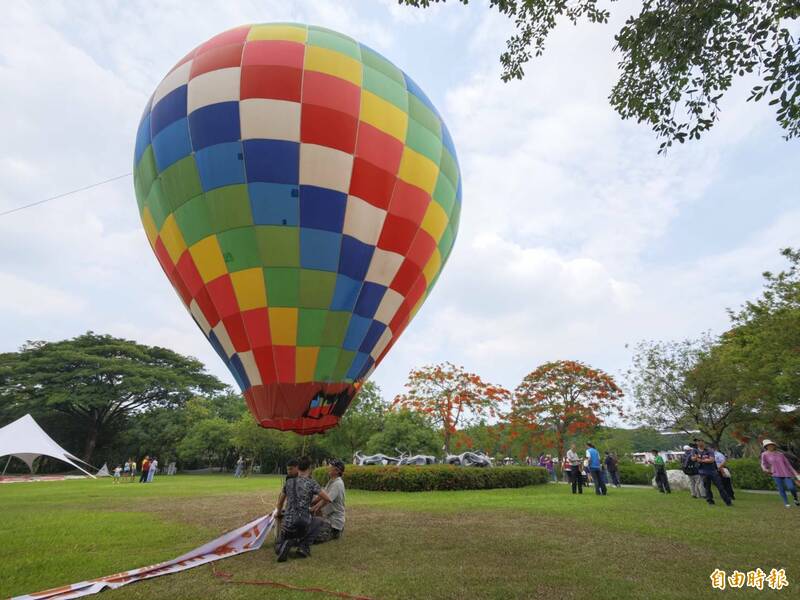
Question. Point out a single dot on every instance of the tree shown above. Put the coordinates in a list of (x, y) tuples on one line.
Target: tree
[(766, 338), (407, 431), (363, 418), (99, 381), (678, 58), (208, 441), (687, 385), (451, 397), (563, 398), (762, 349)]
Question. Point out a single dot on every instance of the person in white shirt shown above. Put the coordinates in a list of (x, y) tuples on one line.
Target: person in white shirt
[(332, 513), (576, 478), (153, 470)]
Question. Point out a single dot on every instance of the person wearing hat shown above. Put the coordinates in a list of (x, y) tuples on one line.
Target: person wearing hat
[(690, 468), (332, 513), (775, 463)]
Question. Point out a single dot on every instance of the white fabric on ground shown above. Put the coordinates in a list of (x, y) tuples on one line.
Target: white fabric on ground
[(245, 539)]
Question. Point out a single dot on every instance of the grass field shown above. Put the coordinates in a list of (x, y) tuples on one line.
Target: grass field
[(536, 542)]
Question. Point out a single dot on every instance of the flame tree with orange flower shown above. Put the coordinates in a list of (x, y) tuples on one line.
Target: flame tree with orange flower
[(451, 398), (564, 398)]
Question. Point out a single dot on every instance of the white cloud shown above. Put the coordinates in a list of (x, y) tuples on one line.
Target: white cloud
[(562, 200), (29, 299)]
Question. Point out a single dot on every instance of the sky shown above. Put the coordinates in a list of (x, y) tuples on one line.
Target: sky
[(576, 239)]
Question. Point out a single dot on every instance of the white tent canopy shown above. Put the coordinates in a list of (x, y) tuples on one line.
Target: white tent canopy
[(25, 440)]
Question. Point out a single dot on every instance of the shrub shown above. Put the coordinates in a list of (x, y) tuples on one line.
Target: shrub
[(435, 477), (746, 473), (634, 474)]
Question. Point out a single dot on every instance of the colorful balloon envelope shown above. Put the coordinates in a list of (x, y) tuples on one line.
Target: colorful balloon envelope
[(302, 195)]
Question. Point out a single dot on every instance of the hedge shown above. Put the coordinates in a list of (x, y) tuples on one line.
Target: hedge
[(633, 474), (435, 477), (746, 473)]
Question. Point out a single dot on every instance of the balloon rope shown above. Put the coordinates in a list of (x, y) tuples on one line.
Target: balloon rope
[(69, 193)]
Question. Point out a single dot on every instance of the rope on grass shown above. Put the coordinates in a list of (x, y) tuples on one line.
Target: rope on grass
[(226, 578)]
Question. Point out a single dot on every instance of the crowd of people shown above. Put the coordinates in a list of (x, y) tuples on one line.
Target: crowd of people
[(127, 471), (591, 469), (307, 513), (704, 464)]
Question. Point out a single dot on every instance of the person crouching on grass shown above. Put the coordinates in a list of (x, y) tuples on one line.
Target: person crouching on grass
[(298, 527), (332, 513)]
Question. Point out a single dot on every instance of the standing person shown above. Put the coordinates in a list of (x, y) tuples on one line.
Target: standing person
[(724, 471), (777, 466), (551, 468), (126, 469), (117, 473), (145, 469), (299, 528), (661, 472), (575, 476), (708, 471), (332, 514), (152, 470), (239, 467), (133, 470), (611, 468), (692, 470), (596, 469)]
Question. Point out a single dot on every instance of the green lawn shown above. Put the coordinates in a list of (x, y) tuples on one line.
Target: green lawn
[(537, 542)]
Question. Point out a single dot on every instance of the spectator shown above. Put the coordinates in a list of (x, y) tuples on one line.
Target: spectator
[(708, 471), (661, 472), (145, 469), (691, 469), (126, 469), (239, 467), (152, 470), (332, 514), (612, 469), (299, 528), (551, 468), (724, 472), (777, 466), (575, 477), (595, 468)]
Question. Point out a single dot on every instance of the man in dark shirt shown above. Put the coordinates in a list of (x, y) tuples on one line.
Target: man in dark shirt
[(709, 472), (611, 467), (298, 527)]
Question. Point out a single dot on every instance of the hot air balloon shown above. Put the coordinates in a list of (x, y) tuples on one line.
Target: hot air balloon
[(302, 194)]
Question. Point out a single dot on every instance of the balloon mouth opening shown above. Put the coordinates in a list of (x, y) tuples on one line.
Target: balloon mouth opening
[(305, 408)]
